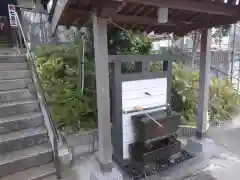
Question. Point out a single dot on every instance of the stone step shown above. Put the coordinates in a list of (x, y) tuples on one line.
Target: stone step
[(12, 58), (22, 139), (35, 173), (16, 95), (17, 74), (19, 107), (13, 66), (23, 121), (52, 178), (24, 159), (8, 51), (14, 84), (5, 45)]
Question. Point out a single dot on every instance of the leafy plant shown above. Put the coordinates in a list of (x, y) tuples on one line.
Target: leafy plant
[(185, 93), (223, 100), (57, 66)]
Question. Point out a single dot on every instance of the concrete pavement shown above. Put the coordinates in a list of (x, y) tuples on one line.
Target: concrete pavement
[(217, 158)]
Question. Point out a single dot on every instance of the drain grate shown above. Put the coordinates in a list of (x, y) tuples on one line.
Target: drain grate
[(137, 172)]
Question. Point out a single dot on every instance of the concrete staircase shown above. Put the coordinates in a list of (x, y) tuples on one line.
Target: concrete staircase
[(24, 144)]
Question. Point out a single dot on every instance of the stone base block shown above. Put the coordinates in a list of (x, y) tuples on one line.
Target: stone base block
[(113, 175)]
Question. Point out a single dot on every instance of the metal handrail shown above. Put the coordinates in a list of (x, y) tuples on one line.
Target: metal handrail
[(37, 81), (52, 10), (32, 64)]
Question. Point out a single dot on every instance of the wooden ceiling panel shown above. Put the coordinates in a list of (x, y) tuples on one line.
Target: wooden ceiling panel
[(184, 15), (208, 7)]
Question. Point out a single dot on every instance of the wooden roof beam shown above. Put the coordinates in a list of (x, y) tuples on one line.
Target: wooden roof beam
[(138, 20), (233, 2), (112, 7), (208, 7), (129, 19), (185, 29), (132, 20), (121, 7)]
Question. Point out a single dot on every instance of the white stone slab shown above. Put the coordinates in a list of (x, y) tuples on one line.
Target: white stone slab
[(133, 94), (114, 175)]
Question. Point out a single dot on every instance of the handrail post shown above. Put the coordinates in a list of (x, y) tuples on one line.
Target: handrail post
[(56, 159), (15, 36), (19, 38)]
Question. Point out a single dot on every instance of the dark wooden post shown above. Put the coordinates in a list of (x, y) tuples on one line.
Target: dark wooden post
[(103, 98), (204, 82)]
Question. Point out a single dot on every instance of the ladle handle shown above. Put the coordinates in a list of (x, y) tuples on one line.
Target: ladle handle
[(152, 118)]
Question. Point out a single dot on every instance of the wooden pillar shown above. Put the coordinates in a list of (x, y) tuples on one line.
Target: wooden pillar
[(102, 81), (204, 82)]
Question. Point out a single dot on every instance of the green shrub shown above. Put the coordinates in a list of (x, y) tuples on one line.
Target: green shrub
[(185, 93), (57, 68), (223, 100)]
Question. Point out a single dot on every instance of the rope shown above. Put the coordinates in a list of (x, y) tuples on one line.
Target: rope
[(116, 25), (131, 34)]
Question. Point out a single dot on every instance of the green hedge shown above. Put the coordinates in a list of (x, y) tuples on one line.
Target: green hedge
[(223, 99), (57, 68)]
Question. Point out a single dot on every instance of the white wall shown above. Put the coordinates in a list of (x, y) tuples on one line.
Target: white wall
[(133, 94)]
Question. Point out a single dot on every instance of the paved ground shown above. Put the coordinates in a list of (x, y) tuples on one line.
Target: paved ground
[(217, 158)]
